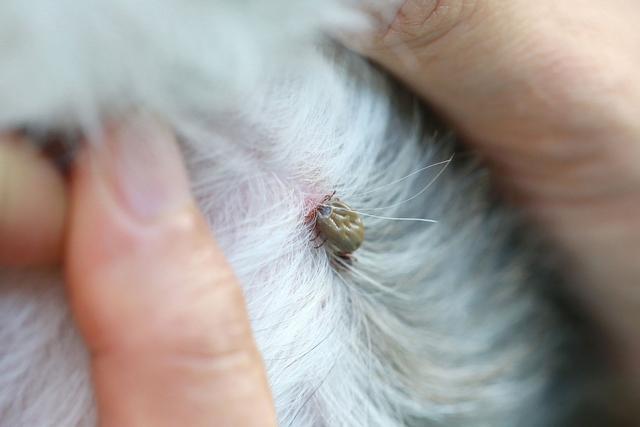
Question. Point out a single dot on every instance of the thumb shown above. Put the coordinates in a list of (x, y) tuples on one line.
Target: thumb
[(32, 205), (159, 307)]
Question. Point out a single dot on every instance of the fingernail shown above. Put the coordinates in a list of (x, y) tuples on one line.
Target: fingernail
[(143, 168)]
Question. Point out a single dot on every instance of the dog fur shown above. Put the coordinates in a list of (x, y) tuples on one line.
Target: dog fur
[(444, 324)]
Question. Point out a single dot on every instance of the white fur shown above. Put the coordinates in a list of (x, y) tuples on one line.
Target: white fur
[(433, 324), (66, 60)]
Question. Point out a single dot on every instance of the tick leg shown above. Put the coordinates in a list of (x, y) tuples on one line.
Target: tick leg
[(343, 261), (328, 197), (321, 244), (317, 234)]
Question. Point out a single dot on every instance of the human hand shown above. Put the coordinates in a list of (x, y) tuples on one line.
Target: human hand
[(548, 92), (158, 306), (32, 205)]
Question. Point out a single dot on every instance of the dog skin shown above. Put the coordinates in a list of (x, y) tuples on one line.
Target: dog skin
[(443, 324)]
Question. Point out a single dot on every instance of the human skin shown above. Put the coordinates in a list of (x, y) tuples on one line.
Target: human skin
[(160, 309), (546, 91), (32, 205)]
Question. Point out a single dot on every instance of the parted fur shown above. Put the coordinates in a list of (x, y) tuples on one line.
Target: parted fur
[(439, 324)]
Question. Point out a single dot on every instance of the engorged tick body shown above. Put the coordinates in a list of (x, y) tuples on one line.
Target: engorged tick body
[(339, 226)]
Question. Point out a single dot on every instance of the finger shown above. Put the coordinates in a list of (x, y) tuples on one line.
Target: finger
[(32, 205), (548, 93), (496, 69), (157, 303)]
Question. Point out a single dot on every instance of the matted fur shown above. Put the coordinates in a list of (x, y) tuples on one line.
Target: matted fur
[(432, 324)]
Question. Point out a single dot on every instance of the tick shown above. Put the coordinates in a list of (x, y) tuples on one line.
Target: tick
[(340, 227)]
